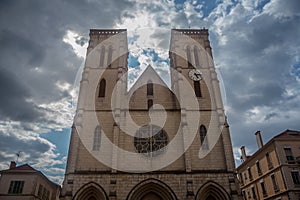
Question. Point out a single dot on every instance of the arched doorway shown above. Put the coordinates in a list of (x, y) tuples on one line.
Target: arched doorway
[(90, 191), (212, 191), (151, 189), (210, 198), (151, 196)]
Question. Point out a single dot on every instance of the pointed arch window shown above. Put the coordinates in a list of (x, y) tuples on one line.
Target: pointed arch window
[(150, 103), (149, 88), (173, 60), (102, 87), (97, 138), (196, 55), (188, 56), (109, 57), (197, 89), (102, 56), (203, 138)]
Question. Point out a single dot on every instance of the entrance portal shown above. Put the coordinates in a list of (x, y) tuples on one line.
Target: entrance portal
[(151, 189), (151, 196)]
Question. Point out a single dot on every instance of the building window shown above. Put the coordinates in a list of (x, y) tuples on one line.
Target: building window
[(150, 103), (289, 154), (189, 58), (203, 138), (245, 175), (109, 56), (151, 140), (173, 59), (263, 188), (43, 193), (249, 195), (258, 168), (197, 88), (40, 191), (295, 176), (241, 179), (244, 194), (97, 138), (253, 193), (274, 182), (269, 161), (102, 56), (149, 88), (196, 54), (16, 187), (250, 173), (102, 87)]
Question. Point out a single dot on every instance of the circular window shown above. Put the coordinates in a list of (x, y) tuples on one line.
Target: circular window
[(150, 140)]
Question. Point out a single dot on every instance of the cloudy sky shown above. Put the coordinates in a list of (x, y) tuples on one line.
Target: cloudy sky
[(256, 47)]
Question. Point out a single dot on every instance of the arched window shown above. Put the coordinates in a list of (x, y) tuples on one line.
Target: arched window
[(173, 60), (102, 56), (203, 138), (102, 87), (196, 55), (109, 57), (150, 103), (97, 138), (149, 88), (188, 56), (197, 89)]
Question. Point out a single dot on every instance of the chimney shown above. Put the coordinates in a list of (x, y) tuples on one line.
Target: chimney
[(259, 140), (13, 164), (244, 156)]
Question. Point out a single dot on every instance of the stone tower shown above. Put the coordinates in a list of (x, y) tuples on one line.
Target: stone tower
[(151, 142)]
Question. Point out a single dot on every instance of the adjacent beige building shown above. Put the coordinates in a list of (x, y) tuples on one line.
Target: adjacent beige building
[(150, 141), (272, 172), (25, 183)]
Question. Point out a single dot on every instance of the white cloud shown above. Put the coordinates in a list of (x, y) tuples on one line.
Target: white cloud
[(190, 12), (249, 4), (282, 10), (72, 38), (60, 112)]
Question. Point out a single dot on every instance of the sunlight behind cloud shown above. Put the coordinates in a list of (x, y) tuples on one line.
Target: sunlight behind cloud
[(77, 42)]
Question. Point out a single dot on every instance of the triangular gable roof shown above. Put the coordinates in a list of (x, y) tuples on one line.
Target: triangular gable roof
[(148, 74), (27, 169), (288, 134), (20, 168)]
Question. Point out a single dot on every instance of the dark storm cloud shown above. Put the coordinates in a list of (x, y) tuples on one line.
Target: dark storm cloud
[(18, 54), (270, 116), (19, 51), (256, 63), (260, 60), (34, 57), (34, 60), (13, 101)]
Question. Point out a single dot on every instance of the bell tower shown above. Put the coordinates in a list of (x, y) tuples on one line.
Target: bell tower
[(150, 142), (191, 58)]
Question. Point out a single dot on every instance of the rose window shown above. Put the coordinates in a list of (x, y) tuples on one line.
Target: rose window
[(150, 140)]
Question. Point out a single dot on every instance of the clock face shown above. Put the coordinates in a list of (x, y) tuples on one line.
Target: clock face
[(195, 75)]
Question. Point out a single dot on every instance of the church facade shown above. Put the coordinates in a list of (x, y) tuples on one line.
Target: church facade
[(151, 141)]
